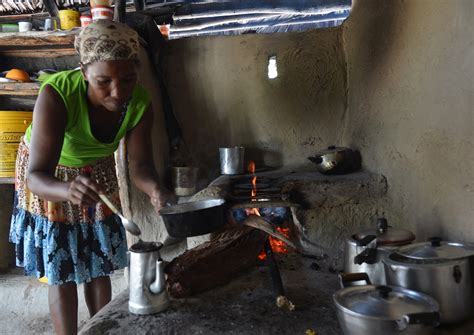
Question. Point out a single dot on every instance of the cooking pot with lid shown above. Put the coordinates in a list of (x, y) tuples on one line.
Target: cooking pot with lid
[(375, 310), (439, 268), (364, 250), (337, 160)]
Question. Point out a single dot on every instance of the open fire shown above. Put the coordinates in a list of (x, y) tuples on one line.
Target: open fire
[(276, 245)]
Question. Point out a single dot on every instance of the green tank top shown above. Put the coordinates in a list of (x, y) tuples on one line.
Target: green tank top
[(80, 147)]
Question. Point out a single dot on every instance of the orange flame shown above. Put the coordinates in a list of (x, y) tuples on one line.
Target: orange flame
[(276, 245), (251, 167)]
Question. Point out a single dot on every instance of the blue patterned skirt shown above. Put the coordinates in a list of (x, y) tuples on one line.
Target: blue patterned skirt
[(60, 240)]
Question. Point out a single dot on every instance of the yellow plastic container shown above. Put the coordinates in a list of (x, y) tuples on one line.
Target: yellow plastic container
[(69, 18), (12, 128)]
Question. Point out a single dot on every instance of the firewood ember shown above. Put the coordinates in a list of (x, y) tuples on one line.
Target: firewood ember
[(215, 262)]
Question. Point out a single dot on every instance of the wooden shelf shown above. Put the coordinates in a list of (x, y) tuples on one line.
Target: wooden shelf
[(38, 44), (20, 89)]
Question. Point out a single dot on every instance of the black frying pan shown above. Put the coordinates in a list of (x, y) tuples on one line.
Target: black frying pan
[(193, 218)]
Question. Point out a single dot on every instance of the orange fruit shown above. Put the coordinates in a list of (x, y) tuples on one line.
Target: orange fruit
[(17, 74)]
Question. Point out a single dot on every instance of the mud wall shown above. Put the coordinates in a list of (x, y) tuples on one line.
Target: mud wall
[(222, 95), (410, 108)]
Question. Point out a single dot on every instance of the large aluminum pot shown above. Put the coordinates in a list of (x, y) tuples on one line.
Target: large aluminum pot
[(375, 310), (440, 269), (364, 251)]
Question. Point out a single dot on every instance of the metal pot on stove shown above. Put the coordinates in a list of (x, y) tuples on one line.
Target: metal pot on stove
[(364, 250), (375, 310), (337, 160), (438, 268)]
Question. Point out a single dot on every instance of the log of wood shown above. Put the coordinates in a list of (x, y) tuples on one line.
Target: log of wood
[(215, 262)]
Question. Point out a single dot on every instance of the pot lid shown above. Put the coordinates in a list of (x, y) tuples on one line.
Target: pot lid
[(436, 249), (383, 302), (386, 235)]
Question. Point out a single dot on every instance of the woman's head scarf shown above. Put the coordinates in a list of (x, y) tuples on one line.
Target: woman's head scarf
[(106, 40)]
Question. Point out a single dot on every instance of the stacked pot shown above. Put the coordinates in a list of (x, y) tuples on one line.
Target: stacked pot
[(436, 276), (375, 310), (441, 269), (364, 250)]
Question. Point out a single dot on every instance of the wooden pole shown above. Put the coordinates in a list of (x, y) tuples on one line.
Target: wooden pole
[(119, 11), (51, 7)]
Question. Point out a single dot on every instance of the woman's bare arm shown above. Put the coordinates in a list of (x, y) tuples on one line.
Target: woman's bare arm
[(142, 166), (49, 124)]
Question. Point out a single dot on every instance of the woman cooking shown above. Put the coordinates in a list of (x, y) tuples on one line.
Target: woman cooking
[(60, 227)]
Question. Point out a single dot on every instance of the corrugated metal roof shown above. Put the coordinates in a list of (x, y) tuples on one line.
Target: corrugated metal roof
[(197, 18)]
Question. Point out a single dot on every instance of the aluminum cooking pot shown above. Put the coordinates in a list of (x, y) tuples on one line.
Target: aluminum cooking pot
[(193, 218), (364, 250), (440, 269), (375, 310), (337, 160)]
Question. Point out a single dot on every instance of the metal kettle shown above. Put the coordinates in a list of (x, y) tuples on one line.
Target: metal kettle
[(148, 294)]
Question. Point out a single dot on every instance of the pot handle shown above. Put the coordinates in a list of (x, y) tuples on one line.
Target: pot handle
[(316, 159), (368, 256), (435, 241), (427, 318), (346, 278), (366, 240)]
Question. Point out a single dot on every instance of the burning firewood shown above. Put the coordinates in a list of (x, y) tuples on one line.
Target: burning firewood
[(257, 222)]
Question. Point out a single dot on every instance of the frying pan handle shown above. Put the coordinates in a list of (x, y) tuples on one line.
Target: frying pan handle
[(346, 278)]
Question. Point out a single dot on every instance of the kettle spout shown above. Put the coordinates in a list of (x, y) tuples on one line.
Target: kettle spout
[(158, 285)]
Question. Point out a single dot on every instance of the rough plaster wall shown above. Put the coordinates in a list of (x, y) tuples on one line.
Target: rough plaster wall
[(410, 105), (222, 95), (142, 211)]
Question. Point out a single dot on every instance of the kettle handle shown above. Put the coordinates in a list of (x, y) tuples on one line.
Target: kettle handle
[(346, 278)]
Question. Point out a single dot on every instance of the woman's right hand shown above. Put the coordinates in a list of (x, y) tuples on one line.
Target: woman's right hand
[(84, 192)]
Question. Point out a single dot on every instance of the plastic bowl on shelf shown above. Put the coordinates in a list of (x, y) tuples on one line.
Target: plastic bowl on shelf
[(9, 28)]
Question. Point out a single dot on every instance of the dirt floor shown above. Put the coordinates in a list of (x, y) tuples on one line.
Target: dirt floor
[(24, 303), (245, 306)]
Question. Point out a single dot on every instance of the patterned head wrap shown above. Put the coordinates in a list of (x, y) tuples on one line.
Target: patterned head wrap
[(105, 40)]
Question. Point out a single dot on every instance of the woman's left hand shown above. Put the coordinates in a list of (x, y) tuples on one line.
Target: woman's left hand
[(162, 197)]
